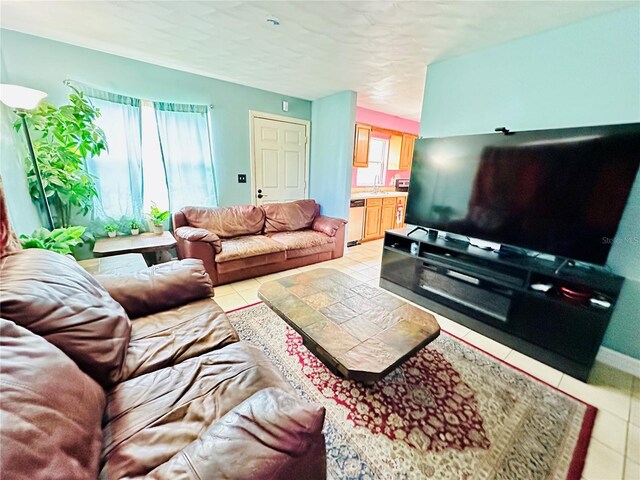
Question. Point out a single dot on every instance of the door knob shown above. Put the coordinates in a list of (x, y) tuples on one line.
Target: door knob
[(260, 195)]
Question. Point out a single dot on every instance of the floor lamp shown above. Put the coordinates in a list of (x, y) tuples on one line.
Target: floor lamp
[(23, 99)]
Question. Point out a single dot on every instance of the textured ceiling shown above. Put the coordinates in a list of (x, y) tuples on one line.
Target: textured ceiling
[(379, 49)]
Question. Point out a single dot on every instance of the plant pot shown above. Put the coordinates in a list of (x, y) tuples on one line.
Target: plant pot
[(135, 231), (158, 229), (112, 234)]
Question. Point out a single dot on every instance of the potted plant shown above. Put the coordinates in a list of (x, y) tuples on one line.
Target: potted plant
[(158, 217), (65, 138), (111, 229), (60, 240), (135, 227)]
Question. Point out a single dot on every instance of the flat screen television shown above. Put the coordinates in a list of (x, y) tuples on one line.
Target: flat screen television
[(559, 191)]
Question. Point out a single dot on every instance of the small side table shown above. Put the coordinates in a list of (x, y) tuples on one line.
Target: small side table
[(149, 244), (115, 265)]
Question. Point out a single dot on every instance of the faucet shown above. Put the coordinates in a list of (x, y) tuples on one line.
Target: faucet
[(376, 187)]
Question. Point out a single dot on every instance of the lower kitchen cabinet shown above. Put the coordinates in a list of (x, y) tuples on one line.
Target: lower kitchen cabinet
[(401, 210), (388, 216), (372, 217), (382, 214)]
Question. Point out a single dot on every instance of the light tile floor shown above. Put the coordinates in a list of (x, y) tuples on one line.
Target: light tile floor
[(614, 451)]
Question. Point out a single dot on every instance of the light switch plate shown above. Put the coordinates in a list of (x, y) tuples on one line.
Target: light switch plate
[(242, 178)]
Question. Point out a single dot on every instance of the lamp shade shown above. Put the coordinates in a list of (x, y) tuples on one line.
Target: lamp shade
[(22, 98)]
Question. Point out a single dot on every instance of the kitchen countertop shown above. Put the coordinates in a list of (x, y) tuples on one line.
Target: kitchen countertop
[(365, 195)]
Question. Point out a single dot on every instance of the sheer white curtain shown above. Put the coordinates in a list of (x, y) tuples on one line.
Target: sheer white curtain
[(185, 146), (154, 178), (172, 142), (118, 172)]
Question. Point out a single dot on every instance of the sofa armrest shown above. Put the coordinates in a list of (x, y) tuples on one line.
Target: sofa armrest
[(328, 225), (193, 234), (160, 287), (179, 219), (271, 435)]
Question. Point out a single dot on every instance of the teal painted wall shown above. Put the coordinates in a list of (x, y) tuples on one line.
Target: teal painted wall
[(333, 122), (13, 148), (22, 212), (587, 73), (44, 64)]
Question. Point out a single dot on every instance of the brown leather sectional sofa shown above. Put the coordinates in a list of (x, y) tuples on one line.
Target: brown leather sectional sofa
[(139, 376), (241, 242)]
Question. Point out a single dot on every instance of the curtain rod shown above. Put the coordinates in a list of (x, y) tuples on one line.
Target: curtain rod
[(68, 82)]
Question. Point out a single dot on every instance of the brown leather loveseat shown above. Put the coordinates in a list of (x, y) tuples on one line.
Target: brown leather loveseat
[(246, 241), (139, 376)]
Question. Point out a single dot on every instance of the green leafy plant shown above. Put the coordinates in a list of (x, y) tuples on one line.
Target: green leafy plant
[(134, 225), (60, 240), (110, 227), (157, 216), (64, 138)]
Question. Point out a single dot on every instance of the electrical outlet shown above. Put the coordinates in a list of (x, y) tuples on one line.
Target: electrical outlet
[(242, 178)]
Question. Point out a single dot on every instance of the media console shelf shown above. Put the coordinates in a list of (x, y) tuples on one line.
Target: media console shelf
[(519, 301)]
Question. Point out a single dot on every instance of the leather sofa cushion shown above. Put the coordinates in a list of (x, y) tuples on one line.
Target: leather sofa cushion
[(303, 239), (283, 434), (50, 411), (250, 262), (160, 287), (151, 418), (249, 246), (303, 252), (51, 295), (226, 222), (291, 216), (170, 337)]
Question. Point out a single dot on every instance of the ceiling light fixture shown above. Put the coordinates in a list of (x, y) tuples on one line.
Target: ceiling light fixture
[(273, 21)]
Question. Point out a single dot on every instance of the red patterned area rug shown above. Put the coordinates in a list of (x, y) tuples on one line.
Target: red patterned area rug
[(451, 412)]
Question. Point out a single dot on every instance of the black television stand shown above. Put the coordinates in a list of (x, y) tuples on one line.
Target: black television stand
[(554, 314)]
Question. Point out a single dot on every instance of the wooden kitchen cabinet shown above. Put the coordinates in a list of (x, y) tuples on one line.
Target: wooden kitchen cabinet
[(381, 214), (395, 150), (372, 217), (401, 202), (388, 215), (406, 152), (361, 145)]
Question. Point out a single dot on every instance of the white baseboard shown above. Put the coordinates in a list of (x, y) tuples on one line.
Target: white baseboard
[(619, 360)]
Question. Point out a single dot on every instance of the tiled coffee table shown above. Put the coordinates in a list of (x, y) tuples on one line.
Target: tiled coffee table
[(357, 330)]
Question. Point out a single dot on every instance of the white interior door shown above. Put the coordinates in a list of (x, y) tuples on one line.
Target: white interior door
[(280, 161)]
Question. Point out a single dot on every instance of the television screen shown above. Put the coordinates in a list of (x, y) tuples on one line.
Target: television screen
[(560, 191)]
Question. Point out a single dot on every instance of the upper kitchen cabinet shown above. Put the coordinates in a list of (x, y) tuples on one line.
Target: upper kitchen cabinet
[(406, 151), (395, 151), (361, 146)]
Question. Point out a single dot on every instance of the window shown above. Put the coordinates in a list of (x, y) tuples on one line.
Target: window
[(158, 153), (118, 171), (183, 132), (155, 183), (374, 173)]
